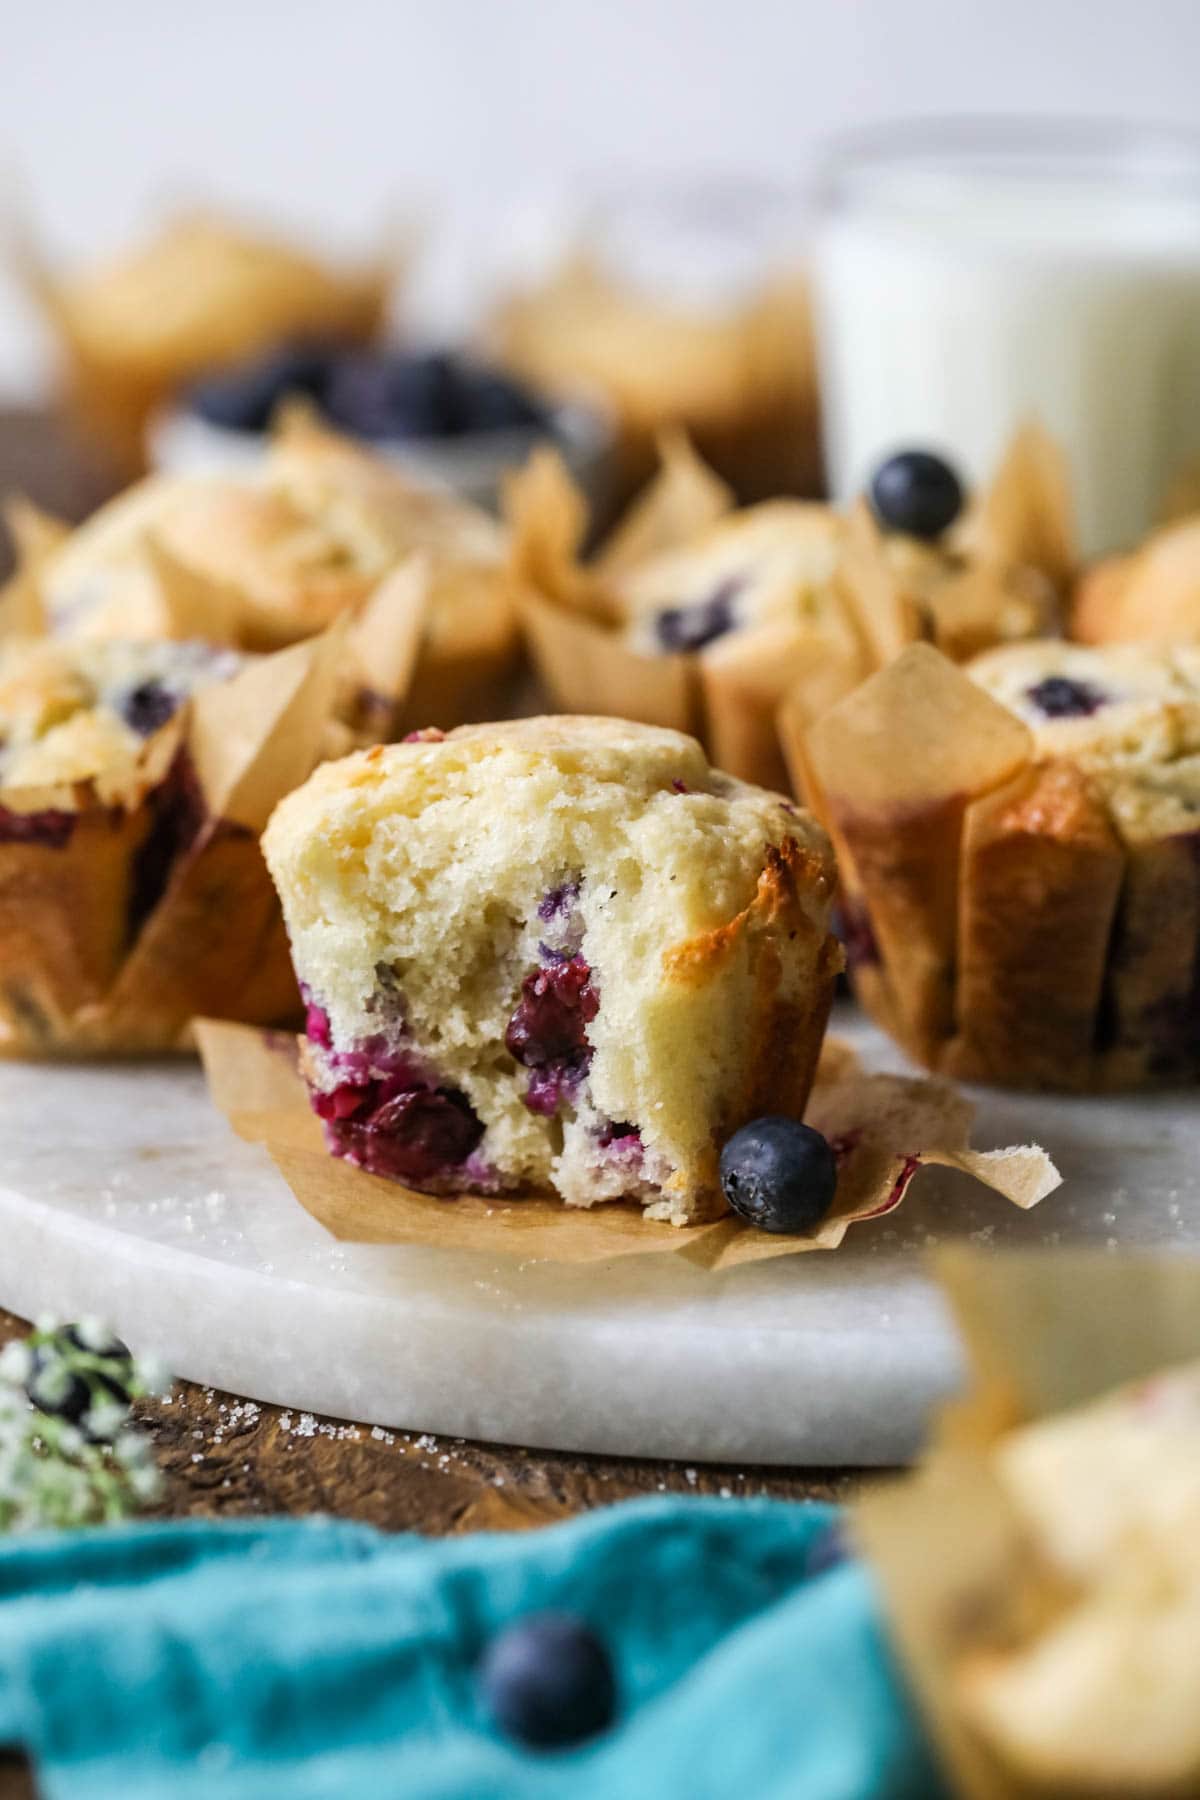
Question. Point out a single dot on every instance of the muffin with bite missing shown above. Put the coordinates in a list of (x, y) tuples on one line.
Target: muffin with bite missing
[(558, 954)]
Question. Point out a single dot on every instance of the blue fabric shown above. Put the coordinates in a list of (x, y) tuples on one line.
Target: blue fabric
[(287, 1661)]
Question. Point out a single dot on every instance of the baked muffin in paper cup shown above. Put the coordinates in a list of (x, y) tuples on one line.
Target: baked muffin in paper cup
[(706, 618), (204, 294), (1019, 850), (739, 378), (1039, 1571), (265, 559), (135, 779), (1151, 595)]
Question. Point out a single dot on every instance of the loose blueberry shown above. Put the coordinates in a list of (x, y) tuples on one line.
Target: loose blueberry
[(548, 1681), (398, 396), (493, 403), (146, 709), (779, 1174), (692, 627), (828, 1550), (246, 398), (1060, 697), (916, 492)]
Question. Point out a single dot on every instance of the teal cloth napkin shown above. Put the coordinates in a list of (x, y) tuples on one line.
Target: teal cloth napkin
[(320, 1659)]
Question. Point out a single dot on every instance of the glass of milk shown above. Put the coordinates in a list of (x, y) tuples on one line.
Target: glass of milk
[(972, 275)]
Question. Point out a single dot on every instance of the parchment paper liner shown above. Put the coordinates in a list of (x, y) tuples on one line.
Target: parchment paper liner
[(113, 383), (730, 695), (1043, 1333), (890, 1126), (998, 918), (70, 983)]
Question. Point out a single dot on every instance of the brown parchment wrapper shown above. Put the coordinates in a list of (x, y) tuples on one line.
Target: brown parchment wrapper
[(80, 972), (884, 1127), (205, 294), (995, 586), (999, 924), (1026, 516), (956, 1566)]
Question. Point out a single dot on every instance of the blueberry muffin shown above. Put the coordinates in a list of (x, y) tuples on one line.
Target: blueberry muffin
[(267, 558), (1093, 1688), (709, 619), (1020, 848), (202, 295), (556, 954), (739, 378), (132, 891)]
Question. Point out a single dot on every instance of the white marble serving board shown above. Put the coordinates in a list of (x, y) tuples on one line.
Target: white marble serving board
[(122, 1193)]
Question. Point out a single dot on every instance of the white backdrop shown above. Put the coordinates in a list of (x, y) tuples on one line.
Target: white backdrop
[(331, 111)]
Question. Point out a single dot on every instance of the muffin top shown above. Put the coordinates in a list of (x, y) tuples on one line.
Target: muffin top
[(667, 848), (205, 290), (773, 561), (296, 542), (1122, 706), (72, 711)]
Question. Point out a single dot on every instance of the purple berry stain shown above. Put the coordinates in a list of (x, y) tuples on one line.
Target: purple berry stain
[(50, 828), (547, 1033), (387, 1113)]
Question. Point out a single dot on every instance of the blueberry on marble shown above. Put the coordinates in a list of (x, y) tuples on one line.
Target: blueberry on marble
[(779, 1174), (692, 627), (245, 398), (1062, 697), (917, 493), (548, 1681)]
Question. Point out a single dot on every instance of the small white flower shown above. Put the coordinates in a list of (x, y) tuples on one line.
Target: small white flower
[(70, 1440), (93, 1333), (132, 1450), (152, 1374), (146, 1483), (16, 1362), (105, 1419)]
